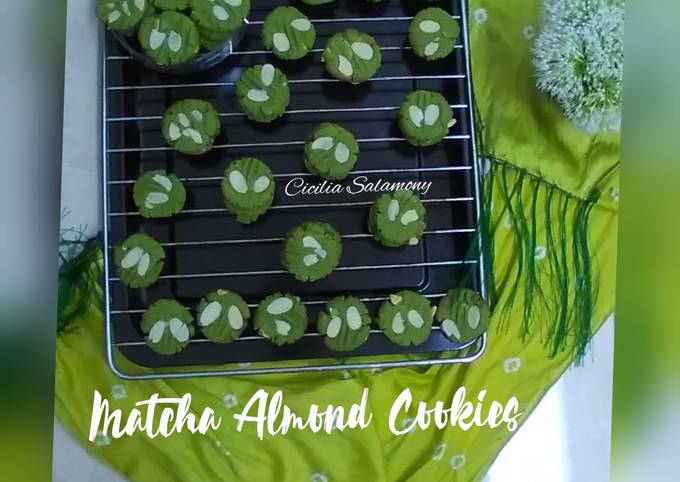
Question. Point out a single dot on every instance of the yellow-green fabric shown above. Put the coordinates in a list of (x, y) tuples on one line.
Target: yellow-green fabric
[(524, 128), (522, 124)]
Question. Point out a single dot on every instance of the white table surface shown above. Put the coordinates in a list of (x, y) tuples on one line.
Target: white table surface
[(566, 439)]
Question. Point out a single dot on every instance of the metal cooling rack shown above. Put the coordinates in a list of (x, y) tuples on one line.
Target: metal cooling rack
[(200, 240)]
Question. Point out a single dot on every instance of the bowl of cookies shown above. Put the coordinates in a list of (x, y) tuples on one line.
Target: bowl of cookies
[(176, 36)]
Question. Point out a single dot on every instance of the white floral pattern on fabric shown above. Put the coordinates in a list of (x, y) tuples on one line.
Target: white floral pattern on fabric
[(615, 194), (507, 222), (101, 440), (529, 32), (439, 451), (346, 375), (230, 400), (480, 15), (408, 421), (318, 477), (221, 448), (485, 166), (540, 253), (512, 365), (244, 365), (118, 392), (457, 462)]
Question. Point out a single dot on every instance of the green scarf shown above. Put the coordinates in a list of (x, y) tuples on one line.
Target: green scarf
[(551, 232)]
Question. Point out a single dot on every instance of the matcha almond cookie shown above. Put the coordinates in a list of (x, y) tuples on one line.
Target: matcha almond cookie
[(433, 33), (288, 33), (331, 151), (168, 327), (352, 56), (170, 4), (263, 93), (281, 318), (248, 188), (219, 15), (222, 316), (463, 315), (425, 118), (311, 251), (170, 38), (140, 260), (345, 323), (191, 126), (397, 219), (406, 318), (158, 194), (122, 15)]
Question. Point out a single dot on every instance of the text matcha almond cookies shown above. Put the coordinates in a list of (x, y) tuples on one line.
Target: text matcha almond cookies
[(248, 189), (425, 118), (463, 315), (191, 126), (263, 93), (433, 33), (345, 323), (311, 251), (352, 56), (288, 33), (222, 316), (281, 318), (406, 318), (397, 219), (168, 327)]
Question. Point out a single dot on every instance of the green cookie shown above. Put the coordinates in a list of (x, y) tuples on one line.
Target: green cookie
[(248, 188), (140, 260), (219, 15), (288, 33), (122, 15), (171, 4), (213, 39), (281, 318), (433, 33), (170, 38), (263, 93), (191, 126), (345, 323), (463, 315), (222, 316), (158, 194), (331, 152), (425, 118), (317, 2), (311, 251), (168, 327), (397, 219), (406, 318), (352, 56)]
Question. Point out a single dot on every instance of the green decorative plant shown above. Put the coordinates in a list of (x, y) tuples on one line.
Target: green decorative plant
[(579, 60)]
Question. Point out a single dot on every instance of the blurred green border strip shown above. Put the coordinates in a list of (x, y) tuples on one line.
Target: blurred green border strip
[(646, 411), (32, 43)]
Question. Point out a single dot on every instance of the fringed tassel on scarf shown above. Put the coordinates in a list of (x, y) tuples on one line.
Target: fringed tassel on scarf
[(79, 278), (552, 273)]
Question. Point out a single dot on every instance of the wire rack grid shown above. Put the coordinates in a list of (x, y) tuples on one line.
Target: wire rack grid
[(201, 241)]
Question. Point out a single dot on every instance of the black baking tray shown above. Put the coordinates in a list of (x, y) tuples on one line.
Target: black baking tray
[(136, 97)]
